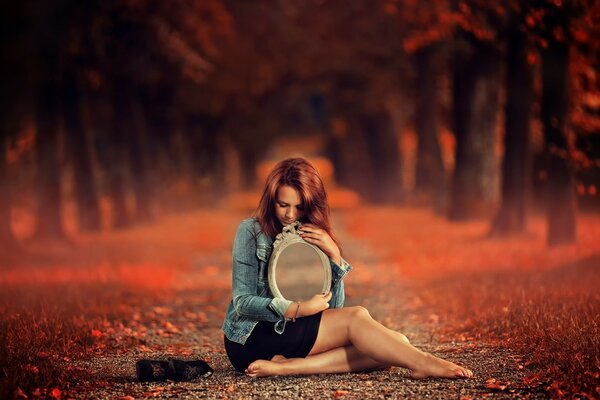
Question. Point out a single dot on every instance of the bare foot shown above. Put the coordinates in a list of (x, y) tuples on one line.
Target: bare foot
[(436, 367), (279, 358), (263, 368)]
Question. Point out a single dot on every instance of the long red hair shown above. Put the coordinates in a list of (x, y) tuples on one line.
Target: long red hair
[(304, 177)]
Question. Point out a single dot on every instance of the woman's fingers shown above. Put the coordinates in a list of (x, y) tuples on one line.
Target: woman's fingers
[(310, 235), (310, 228)]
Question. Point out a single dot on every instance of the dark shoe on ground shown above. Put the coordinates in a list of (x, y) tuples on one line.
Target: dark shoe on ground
[(180, 370), (152, 370)]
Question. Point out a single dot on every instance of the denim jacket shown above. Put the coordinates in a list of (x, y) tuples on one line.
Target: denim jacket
[(252, 300)]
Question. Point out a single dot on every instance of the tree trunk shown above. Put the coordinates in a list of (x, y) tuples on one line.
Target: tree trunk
[(561, 201), (353, 168), (157, 109), (47, 118), (6, 236), (85, 188), (116, 155), (13, 79), (382, 147), (429, 176), (475, 95), (138, 152), (516, 165)]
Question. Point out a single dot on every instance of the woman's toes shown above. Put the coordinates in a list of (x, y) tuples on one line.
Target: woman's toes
[(465, 373), (252, 368)]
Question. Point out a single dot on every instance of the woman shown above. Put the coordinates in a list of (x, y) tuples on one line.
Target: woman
[(267, 336)]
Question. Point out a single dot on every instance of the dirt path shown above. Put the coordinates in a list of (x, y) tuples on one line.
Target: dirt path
[(185, 322)]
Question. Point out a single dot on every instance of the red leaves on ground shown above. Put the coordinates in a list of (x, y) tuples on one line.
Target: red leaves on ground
[(341, 392), (19, 394), (95, 333), (494, 384)]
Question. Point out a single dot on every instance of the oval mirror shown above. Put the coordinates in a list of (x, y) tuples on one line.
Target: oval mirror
[(297, 269)]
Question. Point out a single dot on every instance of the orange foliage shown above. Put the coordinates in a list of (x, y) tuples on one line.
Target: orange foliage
[(424, 246)]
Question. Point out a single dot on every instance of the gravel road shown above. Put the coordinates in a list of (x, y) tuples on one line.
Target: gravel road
[(171, 329)]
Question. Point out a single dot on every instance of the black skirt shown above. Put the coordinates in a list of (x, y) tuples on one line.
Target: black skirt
[(297, 340)]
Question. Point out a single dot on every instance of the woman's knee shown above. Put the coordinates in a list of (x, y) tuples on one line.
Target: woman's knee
[(404, 338), (359, 312)]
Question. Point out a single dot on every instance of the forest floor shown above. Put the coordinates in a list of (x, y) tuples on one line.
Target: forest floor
[(75, 317)]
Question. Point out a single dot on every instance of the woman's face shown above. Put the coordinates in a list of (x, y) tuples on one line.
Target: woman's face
[(288, 205)]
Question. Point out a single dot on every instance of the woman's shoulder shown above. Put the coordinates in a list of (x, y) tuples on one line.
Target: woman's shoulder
[(250, 224)]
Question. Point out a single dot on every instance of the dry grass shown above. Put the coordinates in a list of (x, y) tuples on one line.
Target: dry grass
[(551, 318), (58, 298), (42, 328), (516, 292)]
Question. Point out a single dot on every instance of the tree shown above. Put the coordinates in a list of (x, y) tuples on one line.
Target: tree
[(75, 64), (475, 105), (14, 83), (48, 41), (561, 201), (430, 177), (516, 166)]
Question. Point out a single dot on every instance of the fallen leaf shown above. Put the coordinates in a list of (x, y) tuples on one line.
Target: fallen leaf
[(494, 384), (162, 311), (170, 327), (55, 393), (202, 317), (19, 394)]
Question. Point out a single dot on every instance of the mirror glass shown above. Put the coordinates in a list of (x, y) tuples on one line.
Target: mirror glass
[(300, 273)]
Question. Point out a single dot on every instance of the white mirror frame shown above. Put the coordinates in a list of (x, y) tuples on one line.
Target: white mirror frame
[(288, 236)]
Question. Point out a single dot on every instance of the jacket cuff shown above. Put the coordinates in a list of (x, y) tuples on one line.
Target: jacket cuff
[(280, 306), (338, 272)]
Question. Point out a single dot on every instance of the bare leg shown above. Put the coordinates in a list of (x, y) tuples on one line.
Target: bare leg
[(342, 326), (339, 360), (376, 344)]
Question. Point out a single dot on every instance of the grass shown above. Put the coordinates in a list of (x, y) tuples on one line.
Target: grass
[(58, 299), (42, 328), (515, 292), (551, 318)]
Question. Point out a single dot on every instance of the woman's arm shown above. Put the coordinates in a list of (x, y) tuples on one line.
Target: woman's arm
[(339, 267), (338, 272), (245, 271)]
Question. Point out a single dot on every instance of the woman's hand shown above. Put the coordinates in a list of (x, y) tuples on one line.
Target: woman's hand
[(320, 238), (316, 304)]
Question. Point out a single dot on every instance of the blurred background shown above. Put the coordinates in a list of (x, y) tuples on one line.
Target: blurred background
[(459, 142), (115, 112)]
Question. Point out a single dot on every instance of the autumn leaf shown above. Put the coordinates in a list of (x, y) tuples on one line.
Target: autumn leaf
[(494, 384), (55, 393), (202, 317), (170, 327), (95, 333), (19, 394), (163, 311)]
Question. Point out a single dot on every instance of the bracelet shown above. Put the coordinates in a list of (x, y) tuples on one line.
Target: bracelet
[(296, 313)]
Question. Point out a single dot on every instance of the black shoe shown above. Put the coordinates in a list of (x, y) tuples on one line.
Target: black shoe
[(152, 370), (180, 370)]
